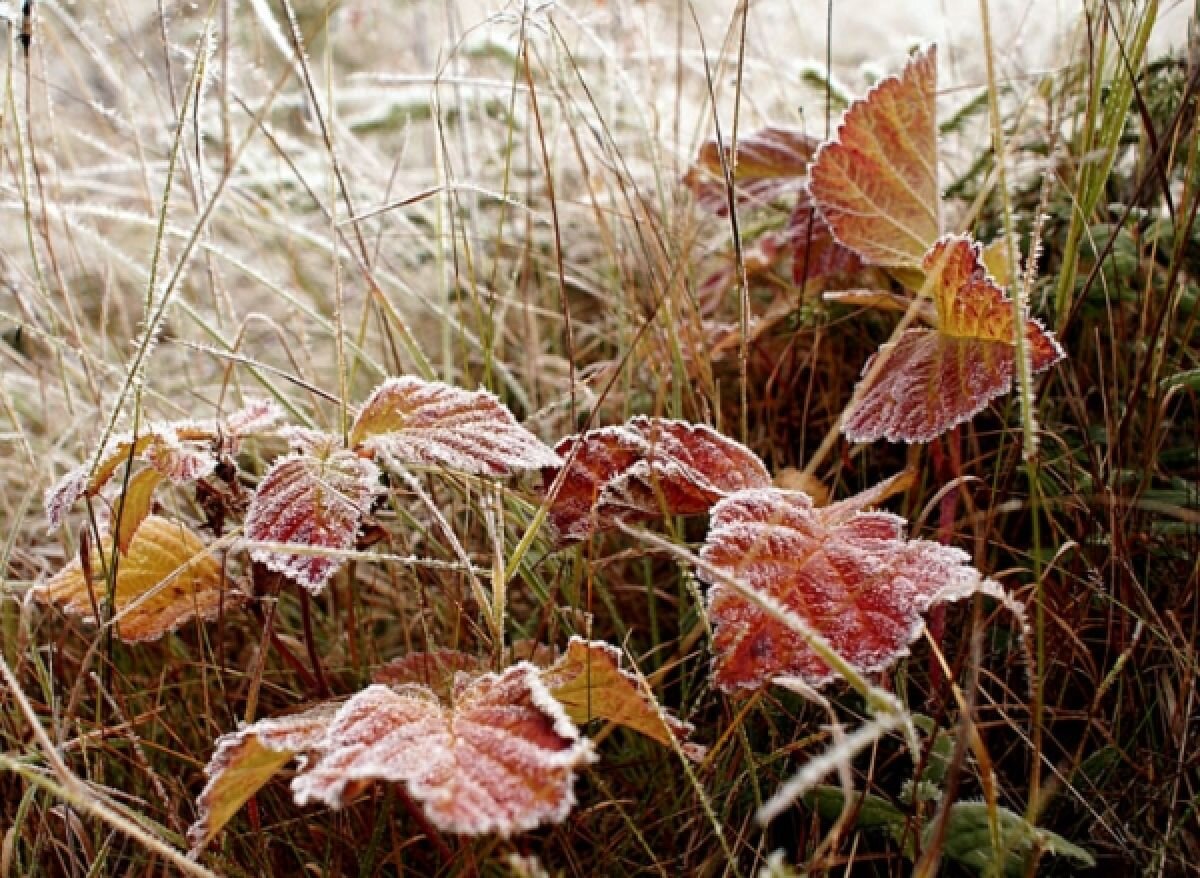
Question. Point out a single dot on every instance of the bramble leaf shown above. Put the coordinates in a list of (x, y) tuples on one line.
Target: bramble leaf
[(877, 183), (314, 502), (930, 380), (166, 578), (407, 420), (849, 575), (590, 683), (435, 670), (643, 469), (500, 756), (243, 762), (771, 163)]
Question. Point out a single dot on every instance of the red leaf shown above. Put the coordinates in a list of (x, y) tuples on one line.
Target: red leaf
[(313, 502), (410, 421), (930, 380), (877, 183), (815, 252), (499, 757), (850, 576), (771, 163), (435, 670), (644, 469)]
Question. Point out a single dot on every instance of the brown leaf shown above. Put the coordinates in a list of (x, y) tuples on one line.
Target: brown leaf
[(771, 163), (849, 575)]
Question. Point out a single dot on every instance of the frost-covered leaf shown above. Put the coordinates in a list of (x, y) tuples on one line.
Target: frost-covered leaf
[(930, 380), (771, 163), (167, 577), (255, 417), (499, 757), (850, 576), (63, 494), (877, 182), (243, 762), (590, 683), (159, 445), (646, 468), (435, 670), (135, 504), (407, 420), (313, 502)]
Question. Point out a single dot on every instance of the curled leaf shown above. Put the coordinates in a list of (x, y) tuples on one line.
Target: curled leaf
[(930, 380), (849, 575), (243, 762), (499, 757), (313, 502), (644, 469), (410, 421), (877, 183), (590, 683), (135, 505), (167, 577)]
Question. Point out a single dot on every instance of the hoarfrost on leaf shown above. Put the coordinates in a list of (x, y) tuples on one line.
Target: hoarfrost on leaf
[(849, 575), (644, 469), (877, 183), (500, 756), (930, 380), (408, 421), (315, 503)]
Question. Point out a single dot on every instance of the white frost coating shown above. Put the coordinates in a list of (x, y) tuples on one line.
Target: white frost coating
[(63, 494), (477, 765), (408, 421), (314, 503), (295, 734), (854, 581)]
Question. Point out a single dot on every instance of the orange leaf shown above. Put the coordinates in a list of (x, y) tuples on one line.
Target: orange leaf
[(644, 469), (166, 578), (771, 163), (930, 380), (244, 761), (877, 183), (499, 757), (850, 576), (410, 421), (313, 502), (590, 683)]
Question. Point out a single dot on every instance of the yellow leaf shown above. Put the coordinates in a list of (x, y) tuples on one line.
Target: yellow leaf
[(590, 684), (166, 578), (136, 505), (244, 761)]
